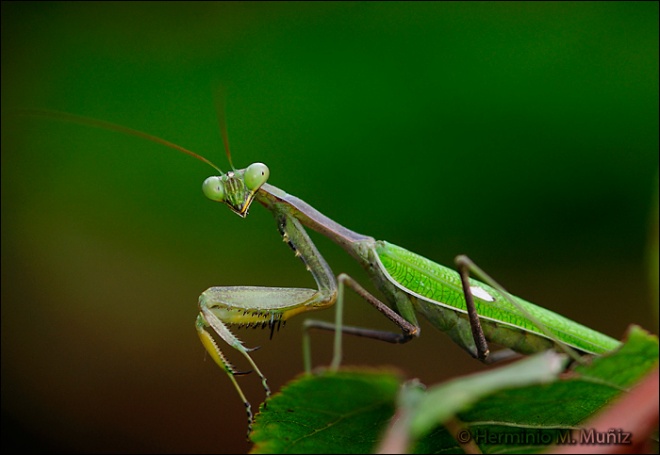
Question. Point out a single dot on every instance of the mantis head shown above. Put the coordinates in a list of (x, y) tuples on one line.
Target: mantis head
[(237, 188)]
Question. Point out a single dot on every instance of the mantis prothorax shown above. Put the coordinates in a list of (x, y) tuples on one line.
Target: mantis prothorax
[(472, 313)]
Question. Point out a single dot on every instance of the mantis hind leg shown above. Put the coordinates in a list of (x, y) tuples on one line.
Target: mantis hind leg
[(465, 266), (408, 330)]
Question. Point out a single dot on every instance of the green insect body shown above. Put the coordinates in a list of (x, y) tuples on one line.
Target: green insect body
[(472, 313)]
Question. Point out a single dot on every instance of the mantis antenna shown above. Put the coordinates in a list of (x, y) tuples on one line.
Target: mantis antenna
[(222, 122), (119, 128)]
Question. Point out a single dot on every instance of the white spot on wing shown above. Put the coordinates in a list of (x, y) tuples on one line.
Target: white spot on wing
[(483, 295)]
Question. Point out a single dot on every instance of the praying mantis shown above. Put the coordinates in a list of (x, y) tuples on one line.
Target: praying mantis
[(471, 312)]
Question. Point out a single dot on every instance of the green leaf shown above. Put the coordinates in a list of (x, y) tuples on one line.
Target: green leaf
[(522, 407), (529, 419), (444, 401), (343, 412)]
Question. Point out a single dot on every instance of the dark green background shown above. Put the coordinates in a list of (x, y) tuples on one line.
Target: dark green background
[(522, 134)]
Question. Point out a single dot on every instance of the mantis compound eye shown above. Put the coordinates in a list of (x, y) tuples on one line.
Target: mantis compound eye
[(256, 175), (214, 189)]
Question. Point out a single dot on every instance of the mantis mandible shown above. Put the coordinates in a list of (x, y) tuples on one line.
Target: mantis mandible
[(471, 312)]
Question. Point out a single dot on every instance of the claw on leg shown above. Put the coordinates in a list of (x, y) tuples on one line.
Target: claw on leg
[(220, 359)]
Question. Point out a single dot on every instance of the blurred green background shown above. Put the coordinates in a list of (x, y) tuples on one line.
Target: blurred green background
[(522, 134)]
